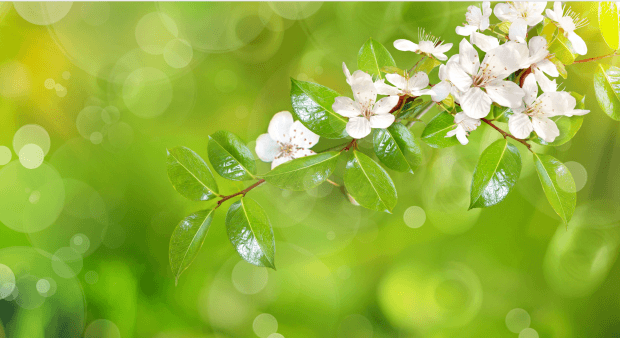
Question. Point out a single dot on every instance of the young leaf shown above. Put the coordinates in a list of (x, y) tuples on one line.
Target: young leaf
[(559, 66), (303, 173), (562, 49), (190, 175), (312, 105), (230, 157), (250, 233), (608, 23), (568, 126), (607, 89), (187, 239), (558, 184), (435, 132), (372, 57), (500, 114), (369, 184), (426, 65), (397, 148), (495, 175)]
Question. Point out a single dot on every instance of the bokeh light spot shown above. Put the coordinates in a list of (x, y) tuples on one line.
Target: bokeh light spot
[(96, 137), (517, 320), (528, 333), (110, 114), (414, 217), (7, 281), (66, 75), (249, 279), (31, 134), (31, 156), (264, 325), (49, 84), (355, 326), (154, 31), (42, 13), (579, 173), (95, 13), (102, 328), (34, 197), (5, 155), (275, 335), (67, 262), (91, 277), (178, 53), (80, 243), (14, 80), (43, 286), (147, 92)]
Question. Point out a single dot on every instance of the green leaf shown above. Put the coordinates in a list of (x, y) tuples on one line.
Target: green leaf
[(568, 126), (547, 30), (230, 157), (397, 148), (190, 175), (435, 132), (312, 106), (495, 175), (559, 65), (369, 184), (504, 26), (250, 233), (608, 23), (303, 173), (558, 184), (187, 239), (426, 65), (372, 57), (562, 49), (500, 114), (393, 70), (607, 89)]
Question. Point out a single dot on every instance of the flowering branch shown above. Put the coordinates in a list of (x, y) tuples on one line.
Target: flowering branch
[(614, 53), (505, 134)]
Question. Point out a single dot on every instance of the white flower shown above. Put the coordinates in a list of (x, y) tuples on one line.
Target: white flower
[(568, 21), (286, 140), (464, 125), (357, 77), (413, 86), (471, 77), (444, 88), (428, 45), (540, 64), (365, 112), (521, 14), (534, 116), (478, 21)]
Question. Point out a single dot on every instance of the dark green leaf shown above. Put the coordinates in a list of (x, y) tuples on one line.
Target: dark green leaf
[(312, 106), (495, 175), (303, 173), (435, 132), (607, 89), (187, 239), (608, 23), (369, 184), (397, 148), (372, 57), (250, 233), (190, 175), (230, 157), (568, 126), (558, 184)]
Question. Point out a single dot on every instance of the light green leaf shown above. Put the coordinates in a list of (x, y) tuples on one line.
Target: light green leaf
[(608, 23), (303, 173), (393, 70), (559, 66), (607, 89), (562, 49), (312, 106), (495, 175), (369, 184), (397, 148), (190, 175), (372, 57), (500, 114), (568, 126), (250, 233), (426, 65), (187, 239), (435, 132), (504, 26), (558, 184), (230, 157)]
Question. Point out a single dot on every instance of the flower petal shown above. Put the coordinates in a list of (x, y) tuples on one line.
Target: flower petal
[(548, 67), (381, 121), (385, 89), (520, 125), (405, 45), (346, 107), (530, 88), (396, 79), (386, 104), (347, 73), (476, 103), (458, 76), (443, 48), (543, 81), (301, 152), (518, 30), (359, 77), (578, 44), (466, 30), (266, 148), (505, 59), (364, 92), (545, 128), (504, 12), (484, 42), (468, 57), (441, 91), (302, 136), (280, 125), (279, 160), (418, 81), (505, 93), (358, 127)]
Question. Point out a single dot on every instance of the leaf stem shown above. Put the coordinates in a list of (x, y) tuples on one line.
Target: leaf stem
[(333, 183), (419, 115), (597, 57), (242, 192), (505, 134), (351, 144)]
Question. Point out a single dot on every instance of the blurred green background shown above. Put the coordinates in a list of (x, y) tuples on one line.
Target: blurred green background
[(85, 235)]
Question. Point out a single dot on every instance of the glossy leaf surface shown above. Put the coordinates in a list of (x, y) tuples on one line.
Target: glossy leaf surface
[(372, 57), (607, 89), (558, 184), (187, 239), (190, 175), (230, 157), (608, 23), (369, 184), (435, 132), (397, 148), (312, 106), (303, 173)]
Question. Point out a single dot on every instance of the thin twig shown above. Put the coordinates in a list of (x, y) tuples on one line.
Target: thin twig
[(351, 144), (417, 117), (333, 183), (242, 192), (597, 57), (505, 134)]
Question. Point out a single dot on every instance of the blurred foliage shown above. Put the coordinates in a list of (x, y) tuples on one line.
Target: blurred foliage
[(342, 271)]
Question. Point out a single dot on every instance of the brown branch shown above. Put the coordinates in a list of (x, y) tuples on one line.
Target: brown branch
[(505, 134), (242, 192), (596, 57), (525, 73), (351, 144)]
